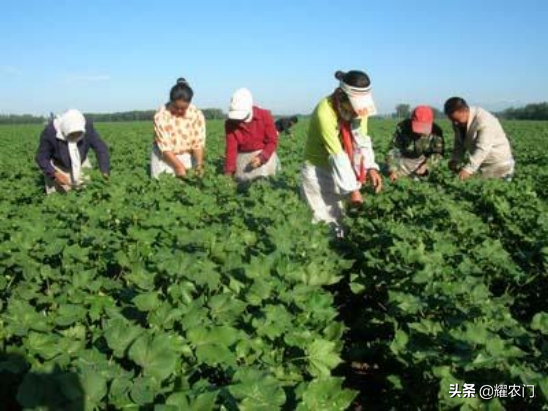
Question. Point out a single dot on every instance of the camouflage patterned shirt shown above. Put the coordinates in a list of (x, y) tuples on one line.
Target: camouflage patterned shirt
[(408, 145)]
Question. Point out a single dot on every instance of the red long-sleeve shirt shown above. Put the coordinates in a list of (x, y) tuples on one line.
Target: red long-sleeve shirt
[(241, 137)]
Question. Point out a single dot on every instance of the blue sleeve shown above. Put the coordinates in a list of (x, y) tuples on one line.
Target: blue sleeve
[(45, 153), (100, 148)]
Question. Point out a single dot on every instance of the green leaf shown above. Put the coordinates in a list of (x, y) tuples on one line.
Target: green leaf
[(395, 380), (408, 303), (119, 392), (213, 344), (68, 314), (45, 345), (322, 358), (140, 277), (326, 394), (226, 308), (94, 386), (274, 321), (355, 284), (540, 323), (259, 291), (141, 392), (120, 334), (203, 401), (399, 343), (222, 335), (22, 317), (154, 355), (256, 390), (147, 301), (214, 354), (178, 400)]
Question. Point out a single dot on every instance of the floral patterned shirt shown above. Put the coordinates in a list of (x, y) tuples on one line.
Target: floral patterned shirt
[(179, 134)]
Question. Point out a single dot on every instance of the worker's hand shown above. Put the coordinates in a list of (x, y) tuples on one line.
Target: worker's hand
[(376, 180), (393, 176), (255, 162), (199, 170), (180, 171), (62, 179), (356, 198), (464, 175), (422, 170), (453, 165)]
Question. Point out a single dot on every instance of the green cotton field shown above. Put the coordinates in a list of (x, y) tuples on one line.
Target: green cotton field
[(136, 294)]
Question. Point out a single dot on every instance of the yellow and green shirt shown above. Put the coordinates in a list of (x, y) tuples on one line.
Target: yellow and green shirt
[(323, 138)]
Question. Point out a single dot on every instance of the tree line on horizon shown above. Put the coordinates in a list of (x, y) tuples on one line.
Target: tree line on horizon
[(534, 111), (134, 115)]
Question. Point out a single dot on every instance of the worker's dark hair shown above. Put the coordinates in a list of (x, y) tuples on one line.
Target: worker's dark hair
[(294, 119), (181, 91), (454, 104), (353, 78)]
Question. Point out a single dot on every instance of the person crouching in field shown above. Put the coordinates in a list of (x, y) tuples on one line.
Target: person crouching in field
[(284, 125), (179, 135), (480, 134), (339, 153), (417, 145), (251, 139), (63, 149)]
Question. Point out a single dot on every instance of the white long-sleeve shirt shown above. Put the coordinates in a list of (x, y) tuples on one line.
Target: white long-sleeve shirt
[(485, 140)]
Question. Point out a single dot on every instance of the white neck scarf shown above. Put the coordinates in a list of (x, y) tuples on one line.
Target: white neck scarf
[(70, 122)]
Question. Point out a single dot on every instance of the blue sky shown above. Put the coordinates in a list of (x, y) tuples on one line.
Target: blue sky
[(120, 55)]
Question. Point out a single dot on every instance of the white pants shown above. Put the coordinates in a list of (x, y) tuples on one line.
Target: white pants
[(503, 169), (159, 166), (53, 186), (243, 173), (322, 194), (407, 166)]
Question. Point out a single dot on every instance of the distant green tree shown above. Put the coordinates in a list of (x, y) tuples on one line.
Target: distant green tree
[(146, 115), (21, 119), (213, 114), (536, 111), (403, 111), (143, 115), (438, 114)]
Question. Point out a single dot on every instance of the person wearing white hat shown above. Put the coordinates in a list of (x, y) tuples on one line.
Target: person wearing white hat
[(63, 149), (251, 139), (339, 156)]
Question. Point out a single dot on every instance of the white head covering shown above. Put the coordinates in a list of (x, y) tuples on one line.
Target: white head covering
[(360, 98), (71, 121), (241, 105)]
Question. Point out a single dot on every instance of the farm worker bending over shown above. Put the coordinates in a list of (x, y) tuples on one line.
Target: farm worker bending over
[(417, 145), (63, 151), (339, 153), (251, 139), (179, 134), (283, 125), (480, 134)]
